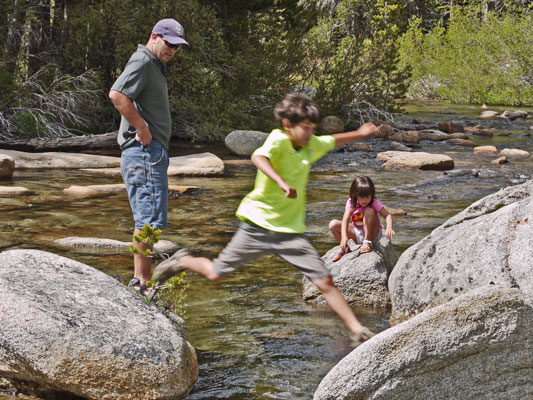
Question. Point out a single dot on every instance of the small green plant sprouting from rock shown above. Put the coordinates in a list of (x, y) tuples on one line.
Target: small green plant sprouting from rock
[(147, 235), (172, 294)]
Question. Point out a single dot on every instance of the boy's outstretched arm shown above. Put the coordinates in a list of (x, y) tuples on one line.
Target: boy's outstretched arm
[(264, 165), (364, 131)]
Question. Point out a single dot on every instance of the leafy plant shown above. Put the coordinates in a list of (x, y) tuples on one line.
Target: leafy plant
[(172, 294)]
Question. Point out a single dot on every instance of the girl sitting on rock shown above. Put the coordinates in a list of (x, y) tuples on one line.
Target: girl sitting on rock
[(360, 221)]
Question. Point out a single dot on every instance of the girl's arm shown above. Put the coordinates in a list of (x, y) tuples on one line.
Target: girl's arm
[(364, 131), (263, 163), (389, 232), (344, 229)]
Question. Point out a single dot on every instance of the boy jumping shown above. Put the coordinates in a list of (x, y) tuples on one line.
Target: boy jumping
[(273, 214)]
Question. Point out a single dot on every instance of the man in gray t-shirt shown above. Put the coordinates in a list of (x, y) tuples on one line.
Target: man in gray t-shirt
[(140, 94)]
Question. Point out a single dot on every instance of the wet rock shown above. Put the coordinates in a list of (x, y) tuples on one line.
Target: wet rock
[(433, 134), (361, 278), (500, 160), (83, 192), (56, 160), (71, 330), (451, 127), (7, 166), (406, 137), (477, 346), (512, 115), (485, 150), (415, 160), (514, 153), (385, 131), (331, 124), (480, 130), (488, 114), (359, 146), (395, 146), (92, 245), (462, 142), (489, 243), (244, 143), (14, 191)]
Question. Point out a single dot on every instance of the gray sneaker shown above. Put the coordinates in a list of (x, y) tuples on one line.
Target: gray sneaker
[(170, 267), (362, 336)]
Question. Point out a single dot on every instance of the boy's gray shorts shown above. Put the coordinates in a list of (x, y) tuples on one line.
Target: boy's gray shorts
[(251, 242)]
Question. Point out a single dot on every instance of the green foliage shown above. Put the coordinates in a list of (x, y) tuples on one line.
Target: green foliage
[(475, 59), (147, 235), (360, 66), (173, 296)]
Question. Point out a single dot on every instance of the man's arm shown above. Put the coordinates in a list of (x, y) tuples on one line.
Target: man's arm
[(364, 131), (263, 163), (125, 106)]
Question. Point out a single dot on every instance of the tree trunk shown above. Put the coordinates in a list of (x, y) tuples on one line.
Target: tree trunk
[(101, 144)]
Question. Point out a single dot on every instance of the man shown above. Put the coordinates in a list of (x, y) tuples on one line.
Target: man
[(140, 94)]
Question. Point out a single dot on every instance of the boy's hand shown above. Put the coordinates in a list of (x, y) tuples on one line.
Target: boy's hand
[(368, 129), (389, 232), (289, 190)]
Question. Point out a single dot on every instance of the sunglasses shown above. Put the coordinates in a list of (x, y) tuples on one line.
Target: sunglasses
[(172, 46)]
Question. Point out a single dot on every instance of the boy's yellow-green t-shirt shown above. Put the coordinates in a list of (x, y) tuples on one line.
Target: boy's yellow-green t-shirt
[(266, 205)]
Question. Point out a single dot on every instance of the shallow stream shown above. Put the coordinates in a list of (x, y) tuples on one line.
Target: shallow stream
[(255, 337)]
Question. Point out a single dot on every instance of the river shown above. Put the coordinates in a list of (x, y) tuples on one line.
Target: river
[(255, 337)]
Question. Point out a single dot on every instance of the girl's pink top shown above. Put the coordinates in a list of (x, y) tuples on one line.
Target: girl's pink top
[(358, 212)]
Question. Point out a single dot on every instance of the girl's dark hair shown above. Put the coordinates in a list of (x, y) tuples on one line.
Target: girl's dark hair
[(297, 107), (362, 186)]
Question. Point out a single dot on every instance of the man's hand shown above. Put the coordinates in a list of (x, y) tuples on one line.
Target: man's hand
[(143, 135)]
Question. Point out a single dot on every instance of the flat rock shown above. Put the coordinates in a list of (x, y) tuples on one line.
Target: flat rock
[(415, 160), (56, 160), (68, 329), (92, 245), (514, 153), (14, 191), (478, 346)]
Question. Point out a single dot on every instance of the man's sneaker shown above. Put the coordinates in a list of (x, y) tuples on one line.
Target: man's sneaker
[(170, 267)]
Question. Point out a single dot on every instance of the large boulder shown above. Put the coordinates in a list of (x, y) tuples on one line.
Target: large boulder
[(244, 143), (415, 160), (361, 278), (489, 243), (104, 245), (67, 329), (478, 346)]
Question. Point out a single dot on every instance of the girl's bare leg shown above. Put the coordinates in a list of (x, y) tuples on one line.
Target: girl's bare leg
[(371, 224), (335, 227)]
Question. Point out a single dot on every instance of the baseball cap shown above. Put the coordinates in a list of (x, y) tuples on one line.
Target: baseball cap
[(171, 30)]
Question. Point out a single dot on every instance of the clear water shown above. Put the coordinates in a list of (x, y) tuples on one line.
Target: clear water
[(255, 337)]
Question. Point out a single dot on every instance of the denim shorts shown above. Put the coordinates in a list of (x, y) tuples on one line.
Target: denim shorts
[(145, 173), (251, 242)]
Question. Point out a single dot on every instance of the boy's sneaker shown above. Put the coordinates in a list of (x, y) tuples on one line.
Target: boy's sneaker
[(170, 267), (362, 336)]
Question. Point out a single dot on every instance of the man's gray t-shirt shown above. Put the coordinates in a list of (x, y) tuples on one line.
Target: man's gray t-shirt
[(144, 82)]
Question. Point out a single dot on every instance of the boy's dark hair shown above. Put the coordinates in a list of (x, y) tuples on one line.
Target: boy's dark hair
[(362, 186), (297, 107)]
